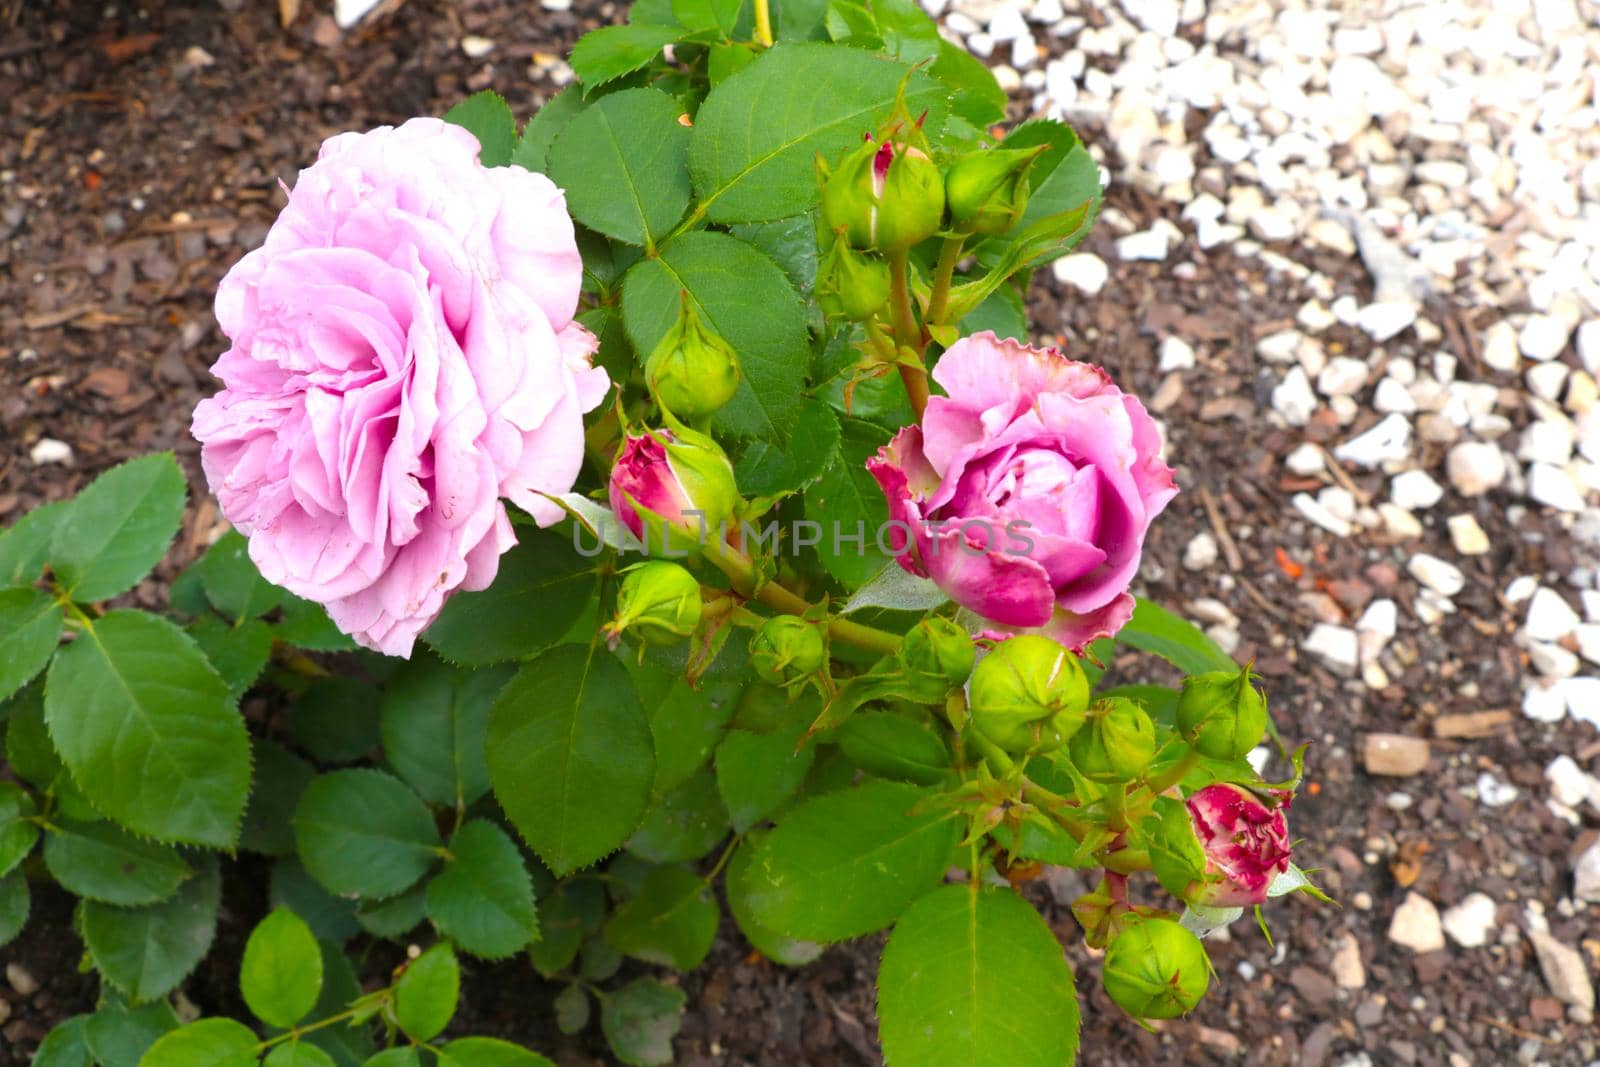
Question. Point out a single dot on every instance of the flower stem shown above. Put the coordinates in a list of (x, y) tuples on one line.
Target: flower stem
[(1116, 813), (949, 255), (1127, 860), (763, 23), (1175, 773)]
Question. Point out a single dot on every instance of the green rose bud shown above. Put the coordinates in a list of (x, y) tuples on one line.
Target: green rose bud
[(1222, 714), (659, 602), (852, 284), (988, 190), (1028, 693), (787, 650), (886, 196), (692, 372), (935, 657), (1155, 969), (1117, 742)]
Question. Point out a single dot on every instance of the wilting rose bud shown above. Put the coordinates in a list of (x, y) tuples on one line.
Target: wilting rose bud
[(852, 284), (1155, 969), (659, 602), (935, 656), (885, 196), (1246, 842), (1222, 714), (692, 371), (672, 489), (787, 650), (1028, 693), (988, 190), (1117, 741)]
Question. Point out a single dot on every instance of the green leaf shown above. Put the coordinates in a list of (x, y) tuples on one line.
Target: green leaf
[(435, 725), (33, 758), (306, 625), (896, 589), (396, 917), (149, 731), (395, 1057), (18, 832), (612, 51), (573, 1009), (207, 1043), (238, 653), (671, 921), (977, 97), (717, 15), (846, 864), (336, 719), (570, 756), (799, 20), (119, 1034), (331, 918), (362, 833), (483, 899), (281, 974), (758, 133), (25, 547), (486, 116), (567, 916), (623, 163), (726, 60), (746, 299), (13, 905), (685, 722), (533, 149), (683, 825), (104, 862), (976, 978), (231, 581), (296, 1054), (30, 629), (280, 778), (147, 951), (909, 35), (118, 528), (756, 773), (495, 624), (640, 1021), (65, 1045), (846, 503), (895, 746), (780, 948), (766, 469), (426, 995), (1065, 177), (488, 1052), (1181, 643)]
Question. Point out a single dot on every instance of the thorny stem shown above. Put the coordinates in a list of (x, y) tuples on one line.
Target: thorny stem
[(949, 256)]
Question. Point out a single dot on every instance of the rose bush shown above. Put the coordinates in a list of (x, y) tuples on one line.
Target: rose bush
[(404, 355)]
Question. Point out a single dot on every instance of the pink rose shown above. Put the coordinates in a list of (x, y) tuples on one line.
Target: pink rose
[(1027, 491), (1246, 841), (667, 482), (404, 355)]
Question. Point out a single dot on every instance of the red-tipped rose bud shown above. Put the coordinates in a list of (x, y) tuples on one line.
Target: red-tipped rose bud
[(1246, 841), (1155, 969), (885, 195), (672, 489), (692, 371)]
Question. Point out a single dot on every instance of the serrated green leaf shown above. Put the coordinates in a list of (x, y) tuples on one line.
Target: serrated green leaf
[(567, 916), (280, 976), (32, 757), (623, 163), (119, 1034), (206, 1043), (765, 469), (640, 1021), (777, 947), (306, 625), (894, 588), (147, 951), (488, 1052), (1065, 177), (396, 917), (238, 653), (100, 861), (846, 864), (671, 920), (611, 51), (1181, 643), (30, 629), (331, 918), (976, 978), (280, 777), (895, 746), (756, 773), (118, 528), (683, 825), (757, 135), (297, 1054), (719, 16), (977, 97), (533, 147), (426, 994), (486, 116), (846, 503), (149, 731), (435, 722), (25, 546), (496, 624), (726, 60), (336, 719), (13, 905), (231, 581), (909, 35), (65, 1045), (570, 755), (746, 299), (18, 831), (362, 833), (483, 899), (686, 723)]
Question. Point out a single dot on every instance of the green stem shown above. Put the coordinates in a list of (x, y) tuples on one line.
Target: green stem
[(1175, 773), (949, 256), (1116, 811), (1055, 805), (907, 333), (300, 1031), (1126, 861), (763, 23)]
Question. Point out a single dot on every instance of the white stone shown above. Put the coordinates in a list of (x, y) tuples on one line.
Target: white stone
[(1467, 535), (1586, 874), (1544, 336), (1345, 965), (1553, 487), (1416, 925), (1342, 376), (1493, 793), (1273, 223), (1391, 398), (1499, 344), (1564, 970), (1550, 617), (1470, 922), (1386, 319), (1200, 553), (1084, 271), (1146, 244), (1475, 467), (1589, 346), (1305, 460), (1176, 354), (1547, 440), (1320, 514), (49, 450), (1334, 645), (1587, 635), (1399, 522), (1157, 16), (1293, 399), (1551, 661), (349, 12), (1434, 573), (1546, 380), (1279, 347), (1569, 784), (1008, 24), (1582, 696), (1388, 441), (1415, 489), (1544, 703), (476, 47)]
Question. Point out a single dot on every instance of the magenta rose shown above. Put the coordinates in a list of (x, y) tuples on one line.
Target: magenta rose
[(404, 355), (676, 483), (1027, 491), (1246, 841)]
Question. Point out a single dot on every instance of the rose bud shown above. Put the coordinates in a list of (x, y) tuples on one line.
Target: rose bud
[(935, 656), (988, 189), (1222, 714), (659, 602), (787, 650), (851, 284), (1155, 969), (672, 489), (1028, 693), (1117, 741), (1246, 842), (692, 372), (885, 195)]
